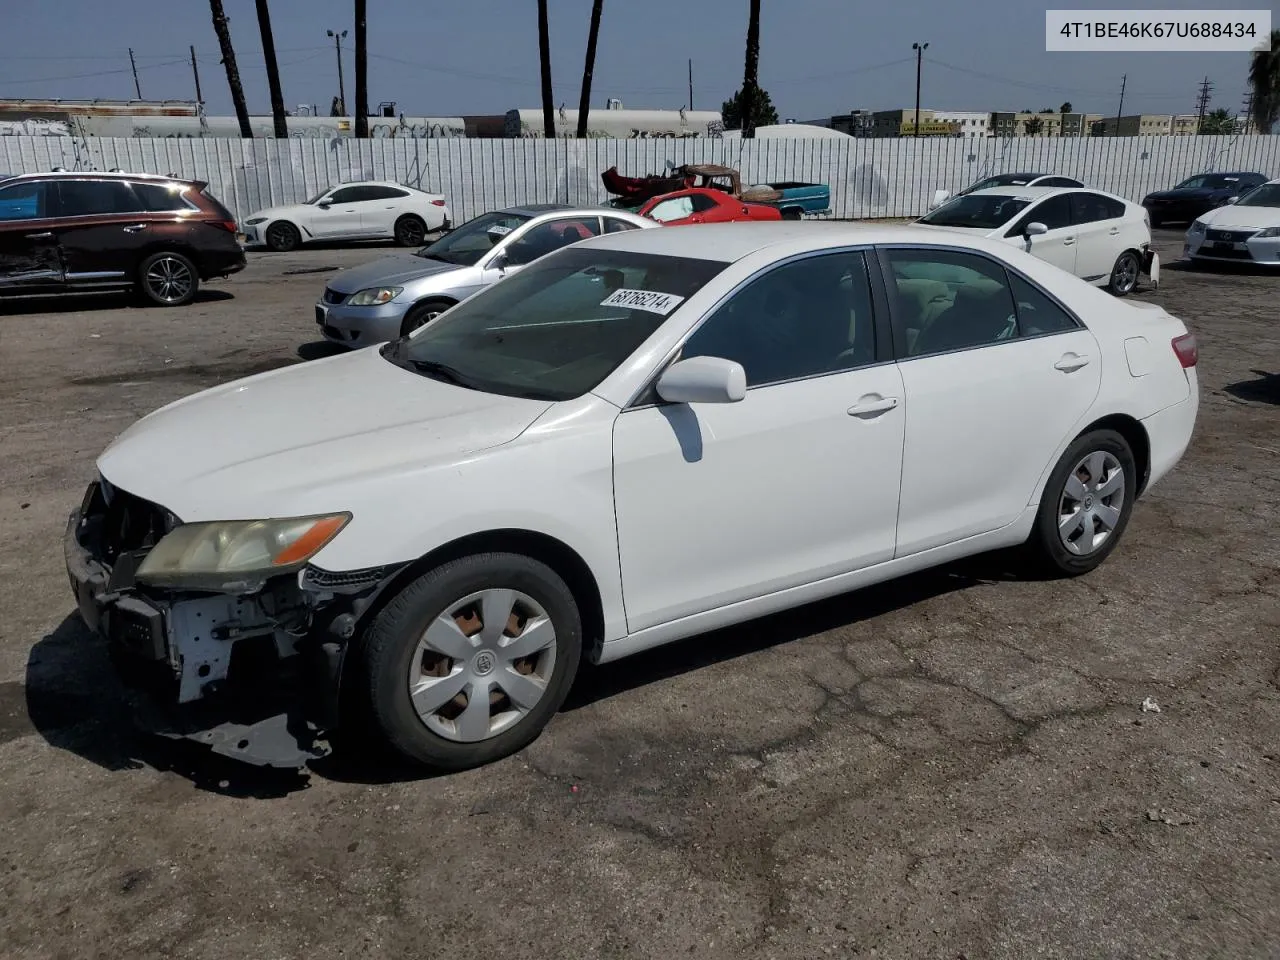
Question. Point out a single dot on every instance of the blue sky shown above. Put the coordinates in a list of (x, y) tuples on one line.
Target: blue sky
[(435, 58)]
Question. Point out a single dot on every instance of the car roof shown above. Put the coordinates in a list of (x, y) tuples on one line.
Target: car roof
[(1035, 193), (537, 209), (103, 175), (729, 242)]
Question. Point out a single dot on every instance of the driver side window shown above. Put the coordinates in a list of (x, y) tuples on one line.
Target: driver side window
[(804, 319), (344, 195), (677, 208)]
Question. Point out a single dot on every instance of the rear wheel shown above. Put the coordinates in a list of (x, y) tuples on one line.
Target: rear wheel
[(792, 213), (1086, 504), (471, 660), (283, 236), (410, 231), (1124, 275), (168, 279), (420, 314)]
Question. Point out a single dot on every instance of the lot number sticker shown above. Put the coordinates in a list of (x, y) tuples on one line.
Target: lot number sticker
[(659, 303)]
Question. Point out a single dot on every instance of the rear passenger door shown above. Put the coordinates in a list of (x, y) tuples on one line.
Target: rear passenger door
[(379, 209), (102, 228), (29, 256), (996, 375), (1058, 246), (1100, 238)]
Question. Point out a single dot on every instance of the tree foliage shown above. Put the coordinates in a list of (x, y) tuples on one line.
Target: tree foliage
[(763, 114), (1264, 83), (1032, 125), (1218, 123)]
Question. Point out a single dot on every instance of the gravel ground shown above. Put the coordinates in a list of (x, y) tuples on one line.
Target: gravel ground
[(953, 765)]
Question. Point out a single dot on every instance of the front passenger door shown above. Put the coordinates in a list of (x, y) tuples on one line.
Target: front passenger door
[(29, 256), (342, 218), (1058, 246)]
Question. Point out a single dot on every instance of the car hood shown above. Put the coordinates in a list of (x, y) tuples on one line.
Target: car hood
[(1199, 193), (388, 271), (1236, 217), (301, 439)]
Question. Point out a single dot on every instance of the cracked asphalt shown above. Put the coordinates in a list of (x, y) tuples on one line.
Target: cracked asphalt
[(952, 765)]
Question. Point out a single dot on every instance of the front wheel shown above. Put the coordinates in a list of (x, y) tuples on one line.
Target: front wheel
[(420, 314), (471, 660), (1124, 275), (1086, 503), (282, 236), (168, 279)]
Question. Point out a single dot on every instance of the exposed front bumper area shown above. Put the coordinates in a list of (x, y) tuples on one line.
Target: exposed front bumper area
[(254, 677), (1230, 247), (357, 327)]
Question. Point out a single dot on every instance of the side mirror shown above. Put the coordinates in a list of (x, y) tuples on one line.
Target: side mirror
[(499, 261), (323, 204), (703, 380), (1035, 229), (940, 197)]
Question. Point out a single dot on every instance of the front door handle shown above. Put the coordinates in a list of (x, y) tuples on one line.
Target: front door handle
[(1071, 362), (1113, 231), (872, 405), (1069, 241), (40, 236), (135, 228)]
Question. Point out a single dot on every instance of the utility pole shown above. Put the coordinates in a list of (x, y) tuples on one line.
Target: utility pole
[(589, 68), (1248, 113), (221, 28), (544, 67), (691, 85), (1202, 102), (362, 74), (195, 71), (342, 94), (1120, 109), (137, 89), (919, 49), (273, 70)]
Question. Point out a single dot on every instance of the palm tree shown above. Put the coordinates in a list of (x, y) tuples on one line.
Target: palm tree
[(362, 72), (229, 61), (750, 72), (544, 56), (1264, 82), (584, 105), (273, 69)]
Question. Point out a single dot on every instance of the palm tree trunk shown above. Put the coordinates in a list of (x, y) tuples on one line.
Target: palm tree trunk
[(584, 105), (229, 61), (750, 73), (273, 70), (544, 58), (362, 73)]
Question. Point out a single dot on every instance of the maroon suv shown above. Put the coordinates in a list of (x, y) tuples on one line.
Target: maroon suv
[(80, 232)]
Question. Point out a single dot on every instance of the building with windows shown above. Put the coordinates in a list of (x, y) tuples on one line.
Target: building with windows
[(1135, 125), (968, 124), (902, 123)]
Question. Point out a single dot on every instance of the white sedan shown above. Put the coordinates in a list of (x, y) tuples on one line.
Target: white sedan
[(368, 210), (637, 438), (1243, 231), (1103, 239)]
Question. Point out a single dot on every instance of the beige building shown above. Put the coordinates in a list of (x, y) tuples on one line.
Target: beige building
[(1136, 125), (902, 123), (1185, 125)]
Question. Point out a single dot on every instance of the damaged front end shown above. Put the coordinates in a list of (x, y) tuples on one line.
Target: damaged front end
[(249, 665)]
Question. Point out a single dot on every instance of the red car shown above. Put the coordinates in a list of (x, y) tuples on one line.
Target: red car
[(704, 205)]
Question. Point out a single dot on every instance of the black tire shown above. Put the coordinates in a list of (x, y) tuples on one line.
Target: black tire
[(420, 314), (392, 641), (1125, 273), (411, 231), (282, 236), (168, 279), (1047, 545), (792, 213)]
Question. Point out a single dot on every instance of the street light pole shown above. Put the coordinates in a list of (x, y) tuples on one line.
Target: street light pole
[(342, 93), (919, 49)]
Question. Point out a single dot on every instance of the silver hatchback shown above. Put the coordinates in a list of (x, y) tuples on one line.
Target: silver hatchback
[(387, 298)]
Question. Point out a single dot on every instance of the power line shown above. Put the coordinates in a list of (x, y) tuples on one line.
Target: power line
[(100, 73)]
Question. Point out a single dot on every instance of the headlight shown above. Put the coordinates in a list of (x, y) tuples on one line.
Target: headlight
[(374, 296), (1268, 232), (1197, 227), (219, 555), (252, 220)]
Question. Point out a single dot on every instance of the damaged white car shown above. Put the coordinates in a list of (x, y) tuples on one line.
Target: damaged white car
[(638, 438)]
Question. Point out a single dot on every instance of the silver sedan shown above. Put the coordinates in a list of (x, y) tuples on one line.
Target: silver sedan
[(387, 298)]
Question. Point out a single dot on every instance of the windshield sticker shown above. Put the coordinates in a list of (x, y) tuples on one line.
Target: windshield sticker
[(499, 229), (659, 303)]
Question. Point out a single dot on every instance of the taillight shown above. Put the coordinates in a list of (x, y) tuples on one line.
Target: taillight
[(438, 203), (1187, 350)]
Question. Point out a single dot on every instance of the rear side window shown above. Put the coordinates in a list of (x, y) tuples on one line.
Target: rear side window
[(382, 193), (161, 197), (614, 225), (1037, 313), (1092, 207), (950, 300), (702, 203), (94, 198), (24, 201)]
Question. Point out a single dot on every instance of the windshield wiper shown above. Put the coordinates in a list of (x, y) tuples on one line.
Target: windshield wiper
[(442, 371)]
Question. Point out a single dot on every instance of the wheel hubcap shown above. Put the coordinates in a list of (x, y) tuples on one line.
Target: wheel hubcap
[(482, 665), (169, 279), (1091, 503), (1127, 274), (411, 233), (425, 318)]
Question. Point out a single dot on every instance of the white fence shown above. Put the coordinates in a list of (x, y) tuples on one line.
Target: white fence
[(868, 177)]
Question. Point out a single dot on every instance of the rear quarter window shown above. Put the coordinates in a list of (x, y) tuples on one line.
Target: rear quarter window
[(162, 197), (217, 205)]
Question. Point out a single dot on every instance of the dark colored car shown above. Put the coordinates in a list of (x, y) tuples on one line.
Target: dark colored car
[(81, 232), (1197, 195)]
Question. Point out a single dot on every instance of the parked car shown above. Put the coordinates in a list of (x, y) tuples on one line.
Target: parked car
[(641, 437), (387, 298), (1243, 231), (83, 232), (702, 205), (1101, 238), (792, 198), (1197, 195), (1010, 180), (367, 210)]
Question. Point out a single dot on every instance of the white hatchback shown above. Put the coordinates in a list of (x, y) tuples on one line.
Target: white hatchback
[(367, 210), (1102, 239)]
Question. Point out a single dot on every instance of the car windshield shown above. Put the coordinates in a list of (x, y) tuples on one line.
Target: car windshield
[(1267, 195), (557, 328), (316, 198), (1208, 181), (981, 212), (471, 241)]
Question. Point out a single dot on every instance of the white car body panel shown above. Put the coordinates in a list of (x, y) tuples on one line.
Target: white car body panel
[(353, 220), (1239, 225), (787, 498)]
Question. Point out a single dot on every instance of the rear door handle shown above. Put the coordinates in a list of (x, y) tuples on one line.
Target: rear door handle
[(40, 236), (872, 406), (1071, 362), (135, 228)]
